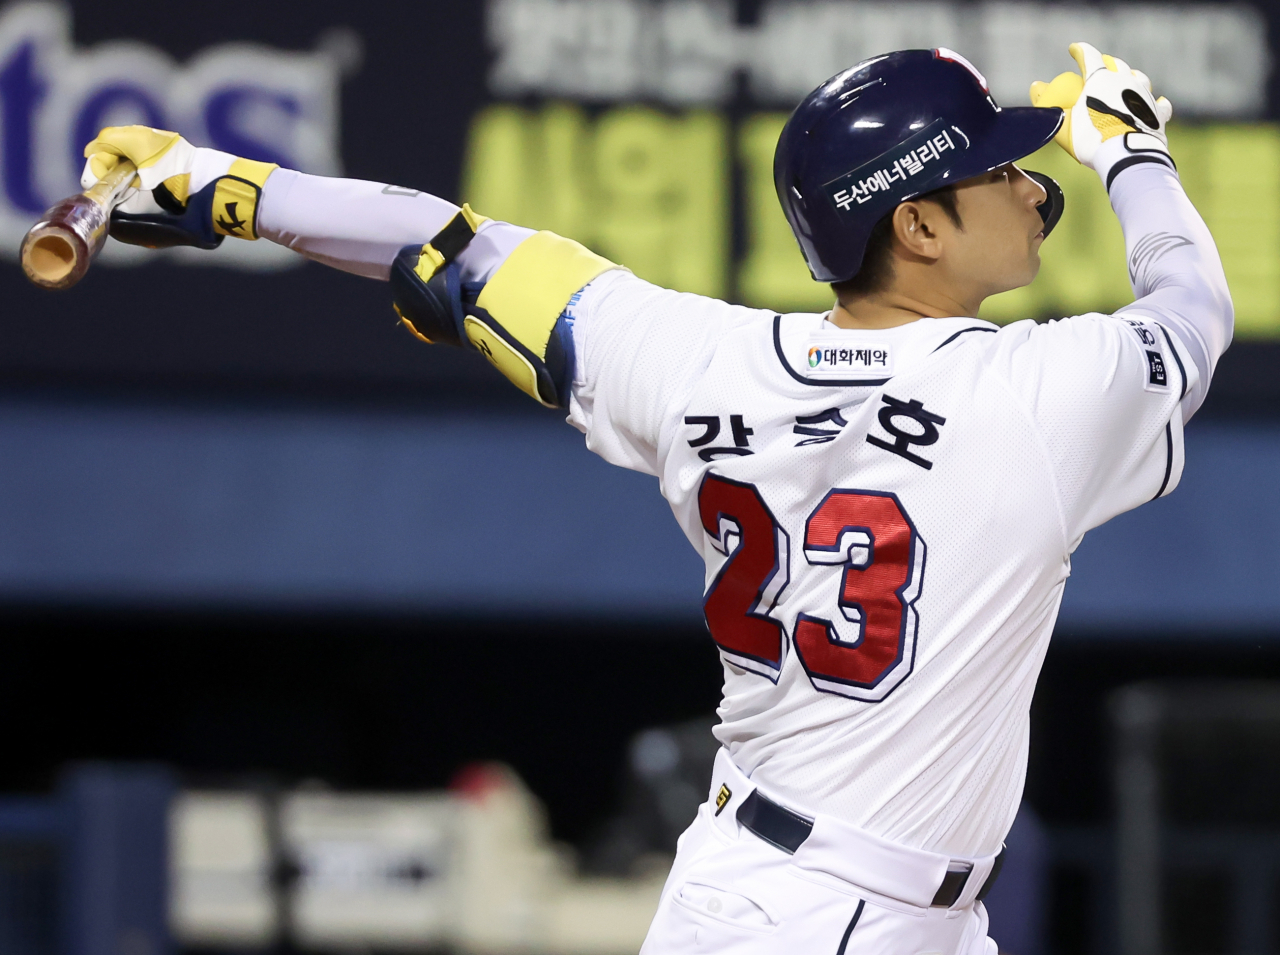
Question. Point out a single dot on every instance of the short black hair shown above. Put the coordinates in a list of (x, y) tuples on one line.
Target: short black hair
[(877, 261)]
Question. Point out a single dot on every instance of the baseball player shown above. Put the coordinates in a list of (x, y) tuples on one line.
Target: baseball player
[(887, 495)]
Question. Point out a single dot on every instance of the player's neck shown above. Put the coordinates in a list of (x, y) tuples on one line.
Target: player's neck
[(891, 308)]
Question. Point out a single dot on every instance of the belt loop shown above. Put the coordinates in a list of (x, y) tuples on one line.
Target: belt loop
[(953, 884), (996, 866), (777, 825), (981, 879)]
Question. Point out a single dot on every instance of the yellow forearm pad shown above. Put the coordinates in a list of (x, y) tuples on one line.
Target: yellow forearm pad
[(235, 198), (525, 298), (531, 289)]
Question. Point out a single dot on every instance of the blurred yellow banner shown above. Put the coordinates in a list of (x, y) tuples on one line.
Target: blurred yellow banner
[(652, 190), (641, 187)]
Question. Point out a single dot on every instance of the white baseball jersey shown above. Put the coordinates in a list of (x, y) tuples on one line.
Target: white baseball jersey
[(887, 520)]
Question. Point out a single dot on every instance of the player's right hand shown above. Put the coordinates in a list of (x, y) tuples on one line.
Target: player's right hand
[(1104, 100), (164, 159), (161, 210)]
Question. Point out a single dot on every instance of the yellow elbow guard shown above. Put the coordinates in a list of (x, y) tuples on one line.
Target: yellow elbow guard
[(518, 322), (518, 319)]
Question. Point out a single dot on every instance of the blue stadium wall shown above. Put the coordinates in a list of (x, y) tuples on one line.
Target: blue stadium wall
[(506, 514)]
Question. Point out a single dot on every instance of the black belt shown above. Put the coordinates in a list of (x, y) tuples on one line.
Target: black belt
[(787, 830)]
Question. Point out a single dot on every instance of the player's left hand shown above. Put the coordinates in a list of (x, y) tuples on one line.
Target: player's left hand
[(1104, 100)]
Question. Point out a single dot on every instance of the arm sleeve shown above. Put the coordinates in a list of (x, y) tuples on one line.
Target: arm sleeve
[(638, 347), (359, 226), (1174, 268), (1109, 394), (641, 350)]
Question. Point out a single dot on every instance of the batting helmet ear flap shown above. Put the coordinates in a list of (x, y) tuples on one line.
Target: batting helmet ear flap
[(1051, 209)]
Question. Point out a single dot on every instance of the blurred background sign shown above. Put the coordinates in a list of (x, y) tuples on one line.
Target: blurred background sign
[(1212, 59), (243, 98)]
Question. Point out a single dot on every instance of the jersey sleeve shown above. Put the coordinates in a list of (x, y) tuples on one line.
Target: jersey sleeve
[(640, 350), (1105, 394), (1110, 393), (1174, 268)]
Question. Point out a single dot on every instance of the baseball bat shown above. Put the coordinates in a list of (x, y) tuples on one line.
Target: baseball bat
[(57, 250)]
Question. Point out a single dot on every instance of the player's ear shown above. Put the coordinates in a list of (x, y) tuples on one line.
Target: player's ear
[(915, 227)]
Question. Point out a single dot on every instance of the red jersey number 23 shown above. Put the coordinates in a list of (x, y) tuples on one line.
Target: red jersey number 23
[(860, 641)]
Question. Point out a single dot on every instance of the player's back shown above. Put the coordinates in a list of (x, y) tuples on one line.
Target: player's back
[(919, 554), (887, 518)]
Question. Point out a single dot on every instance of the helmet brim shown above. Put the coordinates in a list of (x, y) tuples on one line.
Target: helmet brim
[(1018, 132)]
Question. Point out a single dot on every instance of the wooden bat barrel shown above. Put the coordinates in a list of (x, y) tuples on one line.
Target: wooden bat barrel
[(57, 250)]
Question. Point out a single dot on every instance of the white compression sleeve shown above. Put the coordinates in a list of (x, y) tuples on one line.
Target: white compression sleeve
[(1174, 267), (359, 226)]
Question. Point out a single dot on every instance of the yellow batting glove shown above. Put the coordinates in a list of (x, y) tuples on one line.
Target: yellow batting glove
[(162, 157), (1105, 100), (162, 209)]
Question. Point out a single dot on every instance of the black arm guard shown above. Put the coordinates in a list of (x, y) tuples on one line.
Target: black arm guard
[(426, 287), (517, 321)]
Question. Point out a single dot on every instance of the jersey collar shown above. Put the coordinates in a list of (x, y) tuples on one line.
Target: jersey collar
[(796, 336)]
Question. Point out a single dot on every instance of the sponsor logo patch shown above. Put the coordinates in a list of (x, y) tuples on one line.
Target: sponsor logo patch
[(894, 170), (838, 356), (1157, 372)]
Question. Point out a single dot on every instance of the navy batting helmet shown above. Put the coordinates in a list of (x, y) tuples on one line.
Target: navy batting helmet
[(887, 130)]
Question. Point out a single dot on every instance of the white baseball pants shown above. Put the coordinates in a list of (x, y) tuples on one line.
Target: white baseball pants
[(843, 892)]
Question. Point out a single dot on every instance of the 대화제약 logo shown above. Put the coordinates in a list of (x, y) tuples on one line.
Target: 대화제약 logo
[(247, 99), (835, 355)]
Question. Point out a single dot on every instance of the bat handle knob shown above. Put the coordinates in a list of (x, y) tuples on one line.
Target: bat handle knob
[(53, 257), (57, 251)]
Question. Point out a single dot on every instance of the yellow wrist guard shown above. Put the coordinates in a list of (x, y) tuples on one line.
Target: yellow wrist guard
[(236, 197), (226, 206)]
